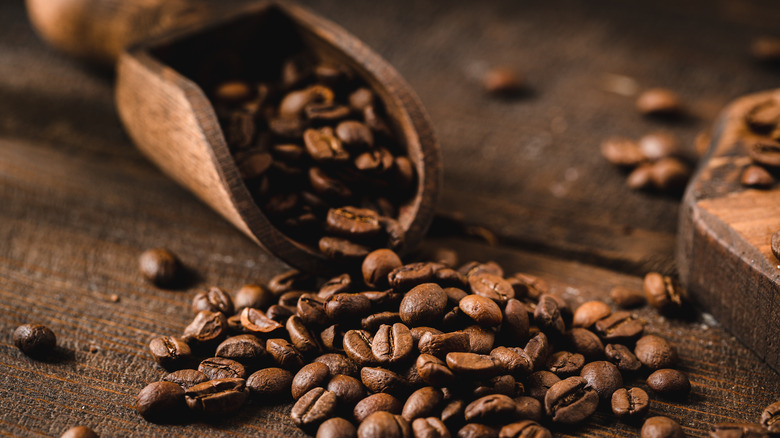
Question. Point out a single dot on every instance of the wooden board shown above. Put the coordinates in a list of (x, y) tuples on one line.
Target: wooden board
[(78, 202)]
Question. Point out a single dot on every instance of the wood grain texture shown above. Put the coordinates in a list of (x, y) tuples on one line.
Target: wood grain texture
[(78, 203)]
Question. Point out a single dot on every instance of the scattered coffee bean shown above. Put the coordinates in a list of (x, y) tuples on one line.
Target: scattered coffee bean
[(655, 352), (622, 356), (79, 432), (529, 407), (641, 178), (503, 82), (349, 390), (255, 321), (661, 427), (380, 402), (473, 365), (186, 378), (658, 145), (524, 429), (512, 360), (160, 402), (669, 382), (270, 383), (756, 177), (392, 344), (160, 266), (35, 340), (565, 364), (538, 349), (548, 314), (214, 300), (770, 417), (246, 349), (632, 403), (588, 313), (491, 408), (738, 430), (422, 403), (425, 304), (339, 364), (764, 151), (481, 339), (290, 280), (384, 425), (314, 408), (619, 327), (433, 370), (659, 102), (622, 152), (571, 401), (383, 380), (627, 298), (309, 377), (663, 293), (602, 376), (586, 343), (208, 328), (170, 352), (284, 354), (481, 309), (302, 338), (539, 383), (336, 427), (377, 265), (253, 295)]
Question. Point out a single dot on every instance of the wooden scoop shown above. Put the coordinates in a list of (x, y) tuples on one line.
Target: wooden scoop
[(172, 122)]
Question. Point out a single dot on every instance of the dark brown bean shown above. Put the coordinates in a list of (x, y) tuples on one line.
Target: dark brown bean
[(661, 427), (160, 266), (529, 407), (513, 360), (621, 356), (670, 174), (384, 425), (352, 222), (339, 364), (481, 339), (481, 309), (284, 354), (346, 306), (377, 265), (669, 382), (570, 401), (473, 365), (565, 363), (217, 397), (372, 322), (170, 352), (221, 368), (270, 383), (538, 349), (337, 285), (339, 249), (246, 349), (302, 338), (207, 328), (491, 286), (440, 344), (357, 346), (655, 352), (630, 403), (588, 313), (392, 344), (215, 300), (476, 430), (602, 376), (336, 427), (160, 402), (619, 327), (354, 134), (515, 324), (383, 380), (503, 82), (524, 429), (313, 408), (309, 377), (186, 378), (79, 432), (411, 275), (311, 309), (548, 315), (433, 370), (277, 313), (622, 151), (659, 102), (255, 321), (348, 390), (425, 304), (380, 402), (290, 280), (627, 298), (764, 117), (586, 343), (539, 383), (490, 409), (253, 295), (738, 430), (422, 403), (430, 427), (770, 417)]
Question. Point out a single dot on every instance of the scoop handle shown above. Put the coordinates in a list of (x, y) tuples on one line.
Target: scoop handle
[(99, 30)]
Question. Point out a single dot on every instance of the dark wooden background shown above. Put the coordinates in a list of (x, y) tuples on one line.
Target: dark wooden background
[(78, 203)]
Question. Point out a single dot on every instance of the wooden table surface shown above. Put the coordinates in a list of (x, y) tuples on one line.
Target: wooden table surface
[(78, 203)]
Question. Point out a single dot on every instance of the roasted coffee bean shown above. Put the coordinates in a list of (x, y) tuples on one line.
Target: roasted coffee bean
[(207, 328), (348, 390), (661, 427), (524, 429), (670, 174), (246, 349), (256, 164), (450, 278), (481, 309), (214, 300), (627, 298), (383, 380), (476, 430), (353, 222), (425, 304), (270, 383), (336, 428), (361, 98), (454, 294), (515, 323), (491, 286), (433, 370), (513, 360), (571, 401), (659, 102), (622, 152), (669, 383), (505, 385), (290, 298), (233, 91), (602, 376), (655, 352), (473, 365), (372, 322), (186, 378), (253, 295), (221, 368), (377, 265), (339, 364), (313, 408), (588, 313), (408, 276), (738, 430), (254, 321), (384, 300), (619, 327), (528, 286), (641, 178), (309, 377), (632, 403), (301, 337), (770, 417), (763, 118), (548, 315), (35, 340), (422, 403), (756, 177), (354, 134), (328, 186), (539, 383), (384, 425), (293, 104), (160, 402), (79, 432), (503, 82), (323, 145), (357, 346), (659, 145), (440, 344), (430, 427), (339, 249), (538, 349), (565, 363), (481, 339), (160, 266), (311, 309), (380, 402), (290, 280), (662, 292), (419, 332), (170, 352), (586, 343), (284, 354), (621, 356), (452, 413), (337, 285), (392, 344), (529, 407), (275, 313), (345, 307), (490, 409)]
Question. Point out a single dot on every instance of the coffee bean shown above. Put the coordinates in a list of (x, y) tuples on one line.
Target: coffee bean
[(524, 429), (622, 152), (343, 307), (473, 365), (452, 413), (481, 309), (355, 135), (384, 300), (290, 298), (476, 430), (383, 380), (377, 265), (186, 378), (353, 222), (539, 383), (571, 401), (313, 408), (214, 300), (311, 310), (384, 425), (339, 249), (670, 174), (512, 360), (662, 292), (658, 145), (302, 338), (79, 432), (392, 344), (270, 383), (481, 339), (430, 427), (565, 363), (160, 266), (422, 403), (602, 376), (621, 356), (490, 409), (309, 377), (357, 346), (380, 402), (246, 349), (529, 407), (207, 328), (655, 352), (440, 344), (770, 417), (528, 286), (433, 370), (669, 382), (738, 430), (619, 327), (337, 285), (661, 427), (339, 364), (233, 91), (284, 354), (659, 102), (408, 276), (538, 349), (585, 342), (371, 323), (349, 390), (632, 403), (515, 323), (491, 286), (256, 164), (641, 178), (425, 304), (254, 321), (548, 315), (293, 104), (290, 280), (503, 81), (756, 177), (323, 145), (588, 313), (160, 402), (35, 340), (764, 117), (766, 49), (253, 295), (336, 428), (276, 313), (627, 298), (221, 368), (504, 384)]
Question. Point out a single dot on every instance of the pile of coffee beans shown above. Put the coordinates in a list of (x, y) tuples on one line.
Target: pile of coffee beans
[(317, 152), (425, 349), (656, 161), (763, 144)]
